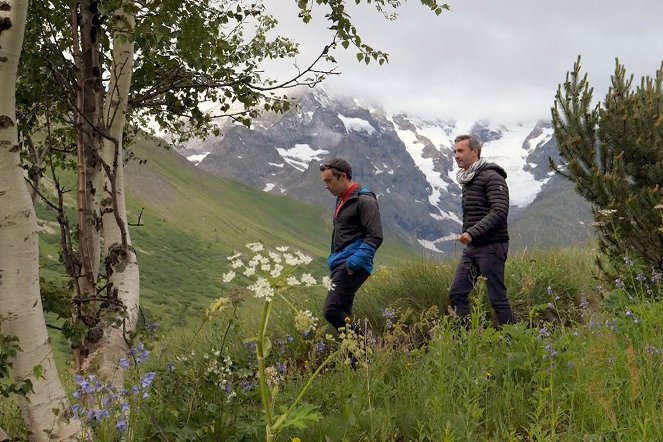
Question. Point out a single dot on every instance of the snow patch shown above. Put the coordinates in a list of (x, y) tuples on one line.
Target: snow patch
[(432, 245), (356, 124), (446, 215), (301, 156), (196, 159), (425, 165), (268, 187)]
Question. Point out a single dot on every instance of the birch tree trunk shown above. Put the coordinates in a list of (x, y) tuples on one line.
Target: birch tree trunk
[(86, 32), (20, 300), (121, 263)]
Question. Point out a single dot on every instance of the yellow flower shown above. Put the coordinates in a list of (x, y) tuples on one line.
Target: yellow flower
[(489, 375), (217, 307), (295, 439)]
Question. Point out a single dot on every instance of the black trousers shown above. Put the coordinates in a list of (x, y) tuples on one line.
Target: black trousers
[(341, 296), (488, 261)]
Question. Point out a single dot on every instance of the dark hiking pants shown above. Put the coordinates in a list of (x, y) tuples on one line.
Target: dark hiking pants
[(340, 297), (488, 261)]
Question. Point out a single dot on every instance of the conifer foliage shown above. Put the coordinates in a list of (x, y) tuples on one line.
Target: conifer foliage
[(613, 152)]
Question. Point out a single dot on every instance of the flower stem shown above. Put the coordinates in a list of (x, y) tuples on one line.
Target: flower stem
[(261, 367), (284, 416)]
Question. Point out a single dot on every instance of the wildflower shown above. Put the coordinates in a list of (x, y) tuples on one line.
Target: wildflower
[(550, 291), (275, 257), (292, 281), (551, 306), (276, 271), (629, 313), (305, 322), (100, 415), (246, 385), (124, 407), (234, 257), (262, 289), (327, 283), (583, 303), (121, 425), (619, 283), (628, 261), (75, 409), (282, 249), (228, 276), (255, 247), (250, 271), (544, 333), (308, 280), (389, 313), (147, 379), (304, 259), (320, 347), (640, 277), (217, 306), (273, 377)]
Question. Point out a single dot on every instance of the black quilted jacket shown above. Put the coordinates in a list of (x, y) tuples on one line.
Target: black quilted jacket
[(486, 206)]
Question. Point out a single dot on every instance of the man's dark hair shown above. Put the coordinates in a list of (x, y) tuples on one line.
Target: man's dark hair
[(475, 144), (338, 166)]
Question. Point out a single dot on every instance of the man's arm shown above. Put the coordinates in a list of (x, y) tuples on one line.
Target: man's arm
[(369, 215)]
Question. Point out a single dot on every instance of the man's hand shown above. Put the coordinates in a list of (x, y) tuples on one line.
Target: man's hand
[(465, 239)]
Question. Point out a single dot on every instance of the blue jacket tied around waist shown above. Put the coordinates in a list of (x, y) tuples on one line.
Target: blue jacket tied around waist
[(357, 233)]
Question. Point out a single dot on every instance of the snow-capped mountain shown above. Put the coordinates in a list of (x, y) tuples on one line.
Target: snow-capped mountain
[(407, 161)]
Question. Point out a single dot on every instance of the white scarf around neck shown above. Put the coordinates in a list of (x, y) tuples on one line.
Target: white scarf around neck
[(465, 176)]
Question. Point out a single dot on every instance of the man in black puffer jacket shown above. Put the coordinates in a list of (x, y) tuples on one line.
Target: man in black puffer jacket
[(485, 233)]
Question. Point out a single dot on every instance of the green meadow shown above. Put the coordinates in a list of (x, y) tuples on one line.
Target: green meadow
[(214, 363)]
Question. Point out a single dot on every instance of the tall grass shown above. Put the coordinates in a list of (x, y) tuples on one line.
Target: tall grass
[(583, 364)]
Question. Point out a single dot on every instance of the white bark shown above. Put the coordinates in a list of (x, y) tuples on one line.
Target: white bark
[(20, 301), (124, 275)]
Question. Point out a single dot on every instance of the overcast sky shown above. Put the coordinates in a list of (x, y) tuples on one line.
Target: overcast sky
[(486, 59)]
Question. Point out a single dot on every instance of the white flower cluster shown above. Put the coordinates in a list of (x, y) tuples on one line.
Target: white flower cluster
[(273, 377), (305, 322), (268, 266), (219, 371)]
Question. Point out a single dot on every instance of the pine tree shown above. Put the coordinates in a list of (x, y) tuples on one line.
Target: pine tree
[(613, 152)]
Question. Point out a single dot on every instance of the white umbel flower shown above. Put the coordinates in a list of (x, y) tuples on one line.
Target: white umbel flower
[(308, 280), (262, 289), (229, 276), (255, 247)]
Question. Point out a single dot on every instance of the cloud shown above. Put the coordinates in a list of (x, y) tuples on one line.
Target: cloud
[(500, 61)]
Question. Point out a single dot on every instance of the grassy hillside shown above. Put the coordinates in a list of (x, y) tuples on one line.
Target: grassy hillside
[(191, 221)]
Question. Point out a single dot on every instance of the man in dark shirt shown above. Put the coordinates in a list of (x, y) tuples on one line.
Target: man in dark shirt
[(485, 233), (356, 237)]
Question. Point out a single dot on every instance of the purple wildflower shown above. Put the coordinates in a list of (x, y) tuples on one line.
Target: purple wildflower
[(124, 363), (147, 379), (170, 367), (389, 313), (320, 347), (121, 425), (619, 283)]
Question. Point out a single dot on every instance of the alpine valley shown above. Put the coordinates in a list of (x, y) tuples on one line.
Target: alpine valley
[(408, 162)]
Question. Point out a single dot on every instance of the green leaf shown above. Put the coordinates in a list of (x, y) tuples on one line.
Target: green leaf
[(38, 371), (360, 56)]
